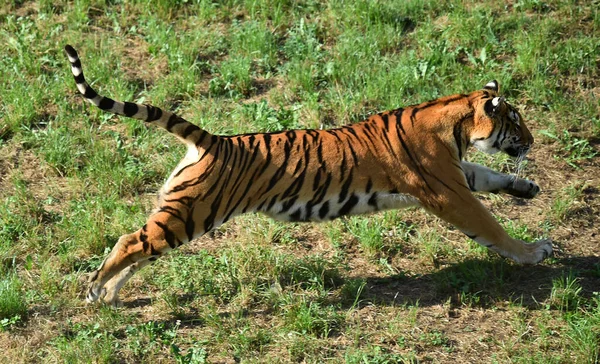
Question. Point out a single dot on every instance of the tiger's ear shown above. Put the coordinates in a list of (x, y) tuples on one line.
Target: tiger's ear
[(493, 106), (492, 85)]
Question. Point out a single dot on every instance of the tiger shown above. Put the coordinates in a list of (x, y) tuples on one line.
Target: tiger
[(411, 156)]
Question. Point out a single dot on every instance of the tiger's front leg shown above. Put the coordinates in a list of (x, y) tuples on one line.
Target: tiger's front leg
[(483, 179), (466, 212)]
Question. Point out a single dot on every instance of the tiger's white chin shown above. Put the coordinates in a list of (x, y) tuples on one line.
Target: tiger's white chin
[(485, 146)]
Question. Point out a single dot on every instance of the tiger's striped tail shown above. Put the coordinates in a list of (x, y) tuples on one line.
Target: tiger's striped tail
[(183, 129)]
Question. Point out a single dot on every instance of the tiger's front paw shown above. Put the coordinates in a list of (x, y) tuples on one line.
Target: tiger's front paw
[(538, 251), (523, 188)]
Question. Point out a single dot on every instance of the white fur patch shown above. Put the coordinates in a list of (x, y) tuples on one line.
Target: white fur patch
[(491, 85)]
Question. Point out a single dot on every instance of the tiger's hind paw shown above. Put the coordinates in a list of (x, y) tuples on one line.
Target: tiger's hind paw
[(111, 297), (94, 294), (114, 302)]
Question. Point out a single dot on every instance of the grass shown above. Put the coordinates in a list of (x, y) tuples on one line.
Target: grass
[(399, 286)]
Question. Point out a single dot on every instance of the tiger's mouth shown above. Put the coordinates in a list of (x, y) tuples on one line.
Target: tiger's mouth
[(517, 152)]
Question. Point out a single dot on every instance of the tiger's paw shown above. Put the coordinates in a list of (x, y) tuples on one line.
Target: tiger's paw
[(538, 251), (523, 188), (94, 293), (111, 296), (113, 301)]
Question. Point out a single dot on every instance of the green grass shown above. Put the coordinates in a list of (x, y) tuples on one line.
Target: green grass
[(399, 286)]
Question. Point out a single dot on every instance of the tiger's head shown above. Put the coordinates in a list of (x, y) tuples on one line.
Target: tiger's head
[(498, 126)]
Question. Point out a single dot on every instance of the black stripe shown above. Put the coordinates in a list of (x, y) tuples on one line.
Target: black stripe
[(345, 188), (169, 236), (413, 161), (458, 134), (320, 193), (386, 121), (317, 179), (455, 98), (201, 138), (295, 216), (144, 240), (190, 225), (174, 120), (79, 78), (272, 202), (288, 204), (130, 109), (352, 201), (343, 164), (154, 113), (171, 211), (398, 113), (89, 93), (189, 130), (388, 145), (185, 200), (324, 210), (154, 252), (413, 116), (77, 63), (373, 201), (106, 103), (354, 156)]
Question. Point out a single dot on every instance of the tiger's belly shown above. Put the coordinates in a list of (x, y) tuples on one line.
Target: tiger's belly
[(330, 209)]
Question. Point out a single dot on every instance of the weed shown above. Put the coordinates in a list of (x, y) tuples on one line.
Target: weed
[(565, 294), (194, 355), (353, 289), (310, 318), (574, 150), (13, 306), (565, 202), (377, 355)]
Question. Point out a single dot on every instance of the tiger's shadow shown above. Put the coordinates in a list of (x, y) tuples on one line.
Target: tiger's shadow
[(473, 282), (484, 283)]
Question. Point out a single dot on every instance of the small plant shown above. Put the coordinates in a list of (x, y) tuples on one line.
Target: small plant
[(573, 149), (435, 338), (268, 119), (310, 318), (12, 302), (566, 293), (234, 80), (353, 289), (372, 234), (80, 342), (194, 355), (377, 355), (564, 202)]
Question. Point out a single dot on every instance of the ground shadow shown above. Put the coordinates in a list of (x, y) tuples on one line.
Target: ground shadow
[(478, 283), (483, 283)]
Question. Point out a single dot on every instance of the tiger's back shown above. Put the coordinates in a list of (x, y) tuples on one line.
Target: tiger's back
[(404, 157)]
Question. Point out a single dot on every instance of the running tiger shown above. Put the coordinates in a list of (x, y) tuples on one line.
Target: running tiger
[(410, 156)]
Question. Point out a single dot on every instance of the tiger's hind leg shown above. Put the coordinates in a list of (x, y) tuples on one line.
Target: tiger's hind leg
[(483, 179), (131, 253)]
